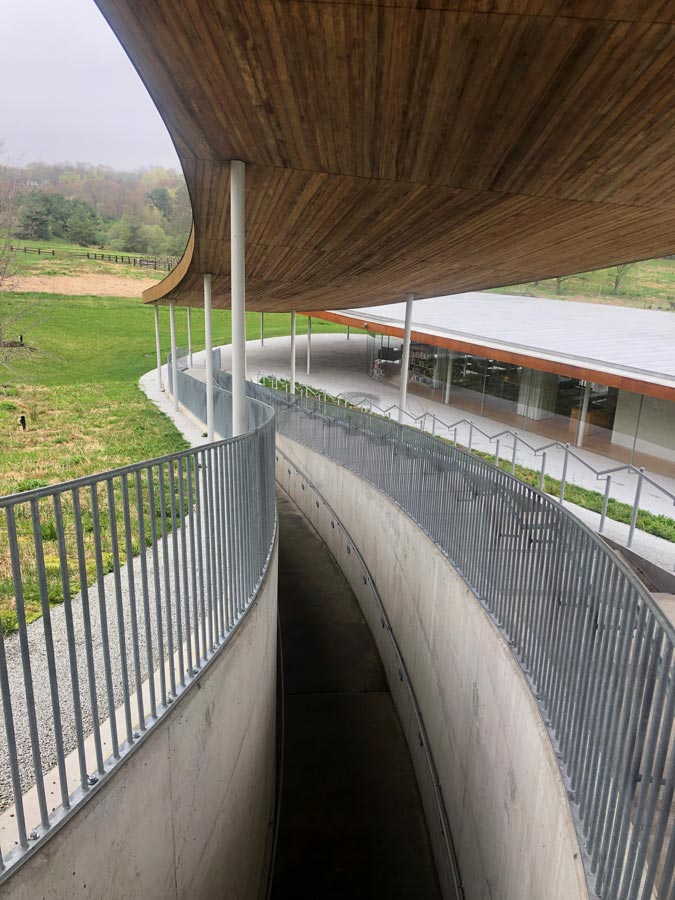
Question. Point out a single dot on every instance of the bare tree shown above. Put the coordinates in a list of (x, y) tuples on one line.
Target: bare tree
[(558, 282), (12, 316), (619, 273)]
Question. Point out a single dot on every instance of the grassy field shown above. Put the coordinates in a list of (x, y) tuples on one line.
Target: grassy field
[(649, 284), (70, 259), (78, 389)]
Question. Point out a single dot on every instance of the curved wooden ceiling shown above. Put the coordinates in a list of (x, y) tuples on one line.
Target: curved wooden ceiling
[(431, 146)]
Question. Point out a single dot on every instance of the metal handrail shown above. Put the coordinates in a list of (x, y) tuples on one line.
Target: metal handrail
[(596, 649), (155, 564), (517, 441)]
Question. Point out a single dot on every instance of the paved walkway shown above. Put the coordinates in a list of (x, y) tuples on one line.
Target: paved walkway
[(351, 821)]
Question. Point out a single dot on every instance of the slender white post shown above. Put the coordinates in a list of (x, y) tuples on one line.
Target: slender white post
[(158, 348), (189, 327), (262, 329), (448, 377), (174, 360), (584, 414), (238, 282), (293, 352), (309, 344), (405, 361), (208, 353)]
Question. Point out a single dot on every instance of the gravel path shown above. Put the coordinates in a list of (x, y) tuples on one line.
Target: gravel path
[(40, 676), (85, 285)]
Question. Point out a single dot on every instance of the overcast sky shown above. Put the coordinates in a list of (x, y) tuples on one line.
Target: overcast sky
[(69, 92)]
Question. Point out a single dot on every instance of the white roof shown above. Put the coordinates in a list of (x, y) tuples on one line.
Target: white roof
[(638, 343)]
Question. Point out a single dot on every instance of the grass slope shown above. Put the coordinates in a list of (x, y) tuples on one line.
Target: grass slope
[(79, 392)]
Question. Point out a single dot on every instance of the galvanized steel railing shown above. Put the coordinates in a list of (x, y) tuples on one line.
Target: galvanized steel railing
[(151, 565), (521, 451), (595, 647)]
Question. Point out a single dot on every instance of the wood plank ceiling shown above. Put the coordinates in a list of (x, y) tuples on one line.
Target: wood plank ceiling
[(431, 146)]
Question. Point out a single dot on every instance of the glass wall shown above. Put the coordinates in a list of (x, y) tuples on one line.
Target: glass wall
[(619, 424)]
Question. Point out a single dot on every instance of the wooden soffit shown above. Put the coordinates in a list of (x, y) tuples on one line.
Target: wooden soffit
[(431, 146)]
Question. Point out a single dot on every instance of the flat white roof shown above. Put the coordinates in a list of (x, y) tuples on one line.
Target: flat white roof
[(620, 340)]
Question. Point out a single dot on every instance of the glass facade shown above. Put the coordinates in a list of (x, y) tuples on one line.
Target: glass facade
[(623, 425)]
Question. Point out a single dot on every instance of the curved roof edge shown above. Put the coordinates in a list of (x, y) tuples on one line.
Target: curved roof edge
[(158, 293)]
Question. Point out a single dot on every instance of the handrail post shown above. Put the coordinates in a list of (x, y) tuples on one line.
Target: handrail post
[(605, 502), (542, 476), (470, 435), (636, 506), (497, 453), (515, 450), (563, 480)]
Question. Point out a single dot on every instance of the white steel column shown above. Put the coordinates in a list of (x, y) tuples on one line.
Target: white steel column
[(584, 414), (208, 353), (448, 377), (158, 348), (174, 360), (189, 327), (293, 352), (405, 361), (262, 329), (238, 281), (309, 344)]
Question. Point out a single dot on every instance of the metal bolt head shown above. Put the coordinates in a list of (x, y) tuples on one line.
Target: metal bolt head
[(33, 836)]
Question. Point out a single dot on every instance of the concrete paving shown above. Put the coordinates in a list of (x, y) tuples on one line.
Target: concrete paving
[(351, 820)]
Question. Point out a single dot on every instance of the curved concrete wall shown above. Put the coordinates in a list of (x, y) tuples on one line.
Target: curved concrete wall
[(187, 816), (506, 803)]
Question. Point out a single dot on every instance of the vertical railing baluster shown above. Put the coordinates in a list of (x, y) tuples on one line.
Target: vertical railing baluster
[(26, 665), (103, 619), (131, 584), (70, 634)]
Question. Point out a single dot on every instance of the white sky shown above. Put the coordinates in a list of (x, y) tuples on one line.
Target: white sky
[(69, 93)]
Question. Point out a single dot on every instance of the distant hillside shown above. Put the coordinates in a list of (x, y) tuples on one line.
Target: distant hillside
[(649, 285), (145, 212)]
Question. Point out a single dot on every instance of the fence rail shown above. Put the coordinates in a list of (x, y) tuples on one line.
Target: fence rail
[(147, 262), (152, 566), (595, 647)]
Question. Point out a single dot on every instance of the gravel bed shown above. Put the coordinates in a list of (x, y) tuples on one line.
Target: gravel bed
[(40, 673)]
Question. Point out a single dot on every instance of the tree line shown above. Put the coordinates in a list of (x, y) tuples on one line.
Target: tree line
[(146, 212)]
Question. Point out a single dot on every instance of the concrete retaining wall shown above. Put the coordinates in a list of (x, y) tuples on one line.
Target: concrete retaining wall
[(188, 815), (503, 792)]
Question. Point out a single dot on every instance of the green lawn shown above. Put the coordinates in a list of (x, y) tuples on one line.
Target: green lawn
[(71, 259), (78, 388)]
